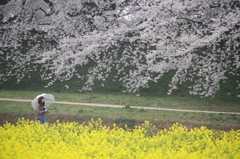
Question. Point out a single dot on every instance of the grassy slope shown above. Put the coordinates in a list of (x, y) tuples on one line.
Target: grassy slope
[(122, 116), (111, 87), (132, 100), (158, 89)]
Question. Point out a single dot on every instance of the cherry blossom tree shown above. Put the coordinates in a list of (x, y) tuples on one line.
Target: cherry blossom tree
[(141, 39)]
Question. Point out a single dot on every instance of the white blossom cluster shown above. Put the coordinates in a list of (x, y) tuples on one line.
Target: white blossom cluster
[(142, 39)]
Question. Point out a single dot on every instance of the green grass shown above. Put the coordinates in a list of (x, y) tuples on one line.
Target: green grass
[(127, 115), (193, 103), (15, 107)]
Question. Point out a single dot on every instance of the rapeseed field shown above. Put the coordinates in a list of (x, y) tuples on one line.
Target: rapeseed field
[(71, 140)]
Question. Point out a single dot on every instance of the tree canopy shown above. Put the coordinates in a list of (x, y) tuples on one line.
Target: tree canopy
[(198, 40)]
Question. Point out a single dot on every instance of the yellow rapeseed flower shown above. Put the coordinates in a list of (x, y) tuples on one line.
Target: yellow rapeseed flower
[(71, 140)]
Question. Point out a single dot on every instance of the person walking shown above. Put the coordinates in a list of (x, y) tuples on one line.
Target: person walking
[(41, 110)]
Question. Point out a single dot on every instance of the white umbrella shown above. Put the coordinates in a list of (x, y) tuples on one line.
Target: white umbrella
[(49, 99)]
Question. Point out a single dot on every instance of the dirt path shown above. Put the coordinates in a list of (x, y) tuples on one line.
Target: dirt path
[(121, 106)]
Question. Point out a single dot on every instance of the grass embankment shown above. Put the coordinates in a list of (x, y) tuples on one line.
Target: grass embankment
[(192, 103), (126, 115)]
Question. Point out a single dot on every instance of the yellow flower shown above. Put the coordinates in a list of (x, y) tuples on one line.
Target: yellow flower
[(27, 138)]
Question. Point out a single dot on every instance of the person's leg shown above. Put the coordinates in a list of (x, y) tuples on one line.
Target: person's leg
[(42, 119)]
